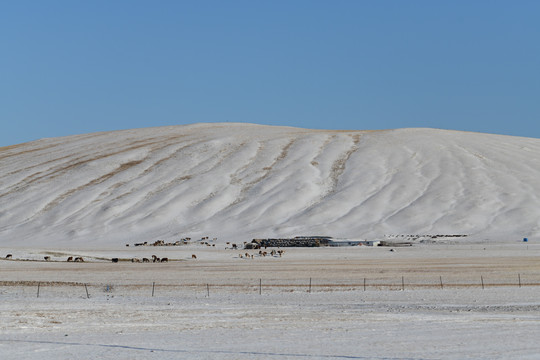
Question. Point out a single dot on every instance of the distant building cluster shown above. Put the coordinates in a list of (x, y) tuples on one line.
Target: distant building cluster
[(308, 241)]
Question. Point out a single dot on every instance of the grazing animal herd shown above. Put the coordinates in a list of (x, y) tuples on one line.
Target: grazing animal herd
[(155, 259), (273, 253), (48, 258)]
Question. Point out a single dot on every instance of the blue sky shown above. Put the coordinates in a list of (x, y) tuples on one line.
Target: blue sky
[(72, 67)]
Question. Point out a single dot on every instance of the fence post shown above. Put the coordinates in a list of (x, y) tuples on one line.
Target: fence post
[(402, 283), (482, 279), (260, 286), (153, 285), (364, 284), (440, 278), (86, 288), (309, 291), (208, 290), (38, 284), (519, 279)]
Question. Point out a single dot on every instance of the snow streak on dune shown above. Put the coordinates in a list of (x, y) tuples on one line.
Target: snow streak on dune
[(238, 181)]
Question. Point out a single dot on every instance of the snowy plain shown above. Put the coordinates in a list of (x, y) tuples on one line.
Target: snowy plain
[(89, 195), (221, 306)]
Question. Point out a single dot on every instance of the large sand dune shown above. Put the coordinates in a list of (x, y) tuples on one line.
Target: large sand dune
[(239, 181)]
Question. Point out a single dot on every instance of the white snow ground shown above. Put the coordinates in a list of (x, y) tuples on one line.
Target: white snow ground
[(411, 324), (240, 181), (187, 320)]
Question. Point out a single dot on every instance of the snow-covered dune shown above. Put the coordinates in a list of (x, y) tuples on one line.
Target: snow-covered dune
[(239, 181)]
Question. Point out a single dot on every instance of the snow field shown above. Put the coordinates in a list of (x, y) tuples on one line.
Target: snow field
[(185, 319), (416, 324)]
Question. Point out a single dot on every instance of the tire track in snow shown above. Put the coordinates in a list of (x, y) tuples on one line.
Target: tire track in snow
[(206, 351)]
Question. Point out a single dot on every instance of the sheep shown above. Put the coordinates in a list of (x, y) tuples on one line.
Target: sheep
[(193, 256), (164, 260), (145, 260), (70, 259), (47, 258), (9, 256)]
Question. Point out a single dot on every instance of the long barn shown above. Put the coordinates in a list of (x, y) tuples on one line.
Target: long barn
[(298, 241)]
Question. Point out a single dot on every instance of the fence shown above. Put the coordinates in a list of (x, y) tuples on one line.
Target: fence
[(259, 286)]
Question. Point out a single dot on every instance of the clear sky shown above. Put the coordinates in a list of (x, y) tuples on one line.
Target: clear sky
[(72, 67)]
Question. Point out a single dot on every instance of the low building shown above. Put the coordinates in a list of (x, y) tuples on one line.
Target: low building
[(308, 241), (344, 242), (298, 241), (371, 242)]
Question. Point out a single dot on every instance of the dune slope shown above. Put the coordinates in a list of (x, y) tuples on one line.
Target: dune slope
[(239, 181)]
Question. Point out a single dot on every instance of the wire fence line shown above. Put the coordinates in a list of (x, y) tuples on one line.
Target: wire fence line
[(260, 286)]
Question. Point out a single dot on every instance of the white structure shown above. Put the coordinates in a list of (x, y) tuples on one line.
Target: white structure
[(343, 242), (370, 242), (352, 242)]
